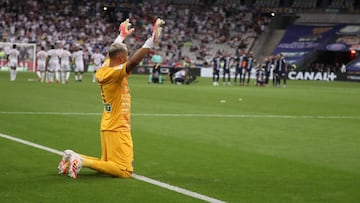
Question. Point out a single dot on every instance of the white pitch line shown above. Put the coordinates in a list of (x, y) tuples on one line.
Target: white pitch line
[(177, 189), (50, 113), (192, 115), (248, 116), (138, 177), (31, 144)]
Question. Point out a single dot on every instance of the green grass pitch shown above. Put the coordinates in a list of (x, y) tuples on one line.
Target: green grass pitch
[(235, 144)]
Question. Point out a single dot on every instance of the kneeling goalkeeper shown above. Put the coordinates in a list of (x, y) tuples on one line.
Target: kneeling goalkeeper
[(116, 141)]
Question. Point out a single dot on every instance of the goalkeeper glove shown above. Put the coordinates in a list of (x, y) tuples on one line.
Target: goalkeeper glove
[(155, 35), (124, 31), (157, 29)]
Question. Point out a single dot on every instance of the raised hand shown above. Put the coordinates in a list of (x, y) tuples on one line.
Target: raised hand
[(157, 29), (124, 29)]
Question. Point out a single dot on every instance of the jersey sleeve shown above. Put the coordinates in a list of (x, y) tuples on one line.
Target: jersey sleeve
[(107, 75)]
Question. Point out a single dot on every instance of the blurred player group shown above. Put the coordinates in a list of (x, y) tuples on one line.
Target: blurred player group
[(54, 65), (245, 64)]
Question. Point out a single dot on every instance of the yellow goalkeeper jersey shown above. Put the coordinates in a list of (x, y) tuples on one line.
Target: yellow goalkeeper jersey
[(115, 93)]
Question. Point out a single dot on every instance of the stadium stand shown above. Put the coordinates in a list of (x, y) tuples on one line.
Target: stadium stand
[(267, 3), (342, 4), (195, 29), (304, 4)]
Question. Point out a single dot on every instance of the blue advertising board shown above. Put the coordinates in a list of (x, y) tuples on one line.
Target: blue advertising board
[(300, 41)]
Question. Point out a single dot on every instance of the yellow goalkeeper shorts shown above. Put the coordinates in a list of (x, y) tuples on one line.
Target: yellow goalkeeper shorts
[(117, 147)]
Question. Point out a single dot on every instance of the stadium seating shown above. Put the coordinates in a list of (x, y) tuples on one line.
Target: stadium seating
[(195, 28), (304, 4), (341, 4), (267, 3), (93, 24)]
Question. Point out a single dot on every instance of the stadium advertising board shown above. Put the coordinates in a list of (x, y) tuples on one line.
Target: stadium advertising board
[(345, 39), (353, 70), (353, 77), (324, 76), (300, 41), (298, 75), (293, 75), (354, 66), (26, 65)]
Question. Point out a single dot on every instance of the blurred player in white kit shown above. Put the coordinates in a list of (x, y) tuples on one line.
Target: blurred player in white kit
[(98, 59), (41, 57), (59, 51), (78, 57), (13, 61), (53, 64), (65, 69)]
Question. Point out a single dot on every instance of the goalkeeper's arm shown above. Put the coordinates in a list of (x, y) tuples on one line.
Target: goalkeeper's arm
[(148, 45)]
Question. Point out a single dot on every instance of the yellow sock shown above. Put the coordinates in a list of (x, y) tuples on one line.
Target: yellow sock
[(88, 157), (87, 162)]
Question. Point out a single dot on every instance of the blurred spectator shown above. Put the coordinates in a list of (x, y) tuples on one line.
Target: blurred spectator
[(89, 24), (343, 68)]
